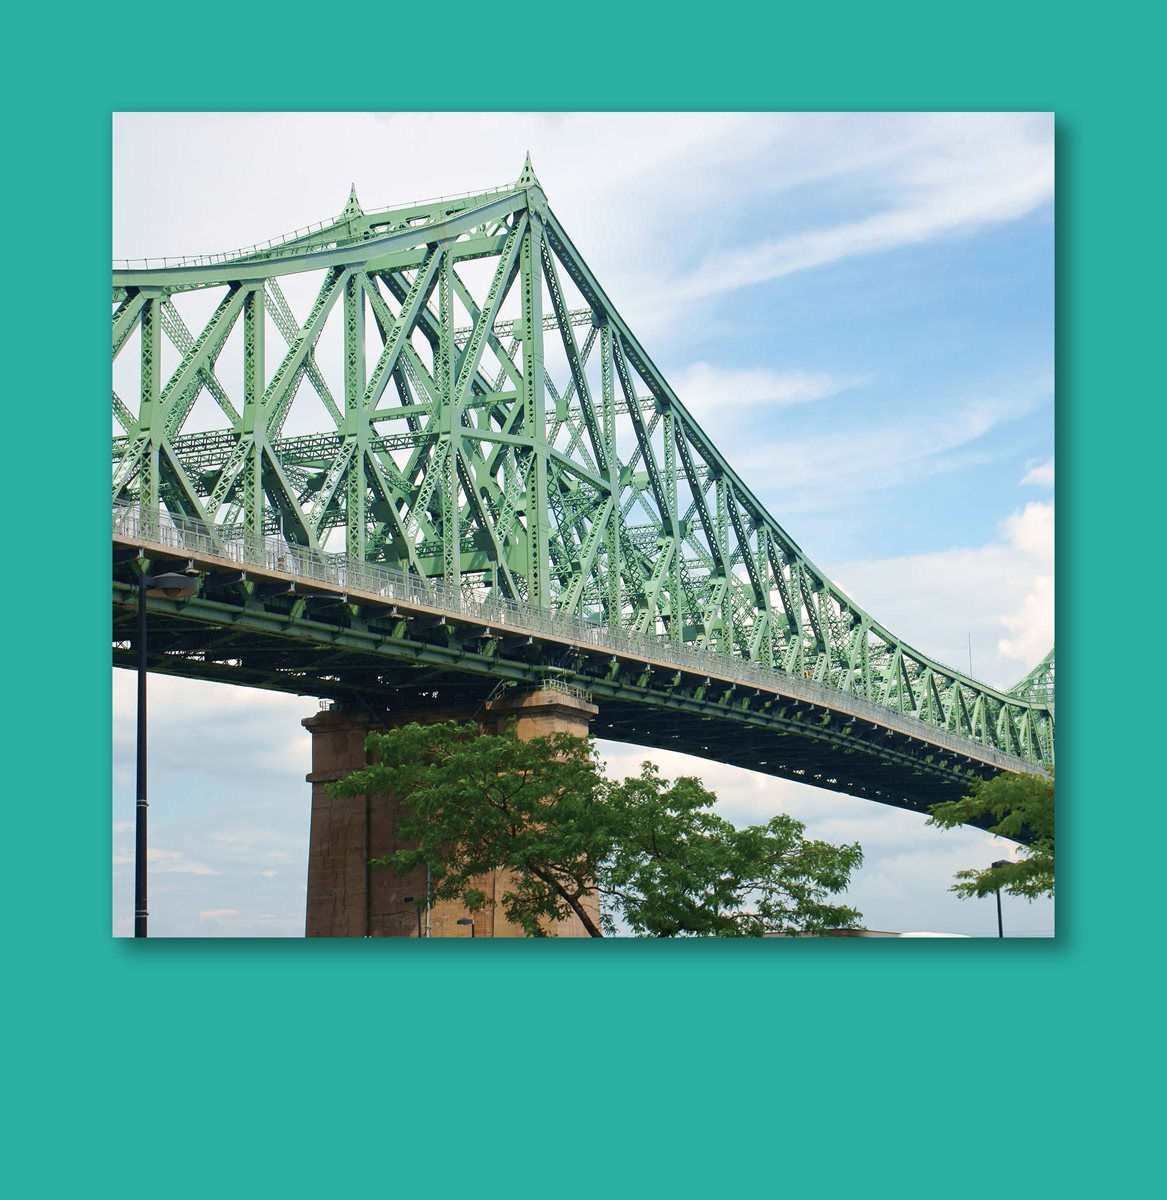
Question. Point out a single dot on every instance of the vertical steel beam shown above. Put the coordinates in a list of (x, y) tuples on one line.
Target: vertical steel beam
[(534, 416), (672, 526), (726, 639), (615, 601), (763, 560), (253, 390), (449, 425), (356, 422), (150, 327)]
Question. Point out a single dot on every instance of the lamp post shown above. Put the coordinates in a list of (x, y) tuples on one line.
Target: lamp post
[(1001, 862), (466, 921), (174, 586)]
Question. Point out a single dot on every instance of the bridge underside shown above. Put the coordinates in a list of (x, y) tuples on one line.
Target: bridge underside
[(259, 629)]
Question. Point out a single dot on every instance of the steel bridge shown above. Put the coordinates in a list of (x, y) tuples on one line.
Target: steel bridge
[(498, 486)]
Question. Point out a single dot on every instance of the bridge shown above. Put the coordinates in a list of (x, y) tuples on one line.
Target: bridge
[(460, 471)]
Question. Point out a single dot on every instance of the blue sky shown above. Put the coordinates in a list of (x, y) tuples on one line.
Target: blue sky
[(859, 308)]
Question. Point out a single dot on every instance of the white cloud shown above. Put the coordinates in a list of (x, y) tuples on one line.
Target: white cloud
[(1031, 529), (628, 187), (955, 174), (1001, 593), (256, 844), (641, 195), (164, 862), (885, 450), (1040, 476), (908, 865), (1031, 626), (252, 732), (707, 390)]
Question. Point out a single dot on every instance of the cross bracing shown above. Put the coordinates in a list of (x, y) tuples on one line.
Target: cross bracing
[(1038, 685), (446, 390)]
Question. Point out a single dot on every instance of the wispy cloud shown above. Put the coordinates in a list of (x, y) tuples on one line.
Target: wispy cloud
[(908, 865), (1040, 476), (1001, 594), (955, 174), (895, 179), (253, 844), (670, 211), (911, 442), (706, 389), (164, 862)]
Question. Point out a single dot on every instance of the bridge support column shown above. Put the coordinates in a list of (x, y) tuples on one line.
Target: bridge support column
[(346, 897)]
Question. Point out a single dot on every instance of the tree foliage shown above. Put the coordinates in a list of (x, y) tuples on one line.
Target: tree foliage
[(677, 867), (649, 850), (473, 803), (1022, 807)]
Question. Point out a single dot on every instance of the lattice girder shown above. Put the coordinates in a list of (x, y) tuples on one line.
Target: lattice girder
[(463, 444)]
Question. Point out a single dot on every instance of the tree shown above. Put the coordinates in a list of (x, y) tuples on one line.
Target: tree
[(1023, 808), (676, 867), (473, 803), (649, 850)]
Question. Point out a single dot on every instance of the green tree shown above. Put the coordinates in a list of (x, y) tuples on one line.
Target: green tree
[(1022, 807), (676, 867), (473, 803), (649, 850)]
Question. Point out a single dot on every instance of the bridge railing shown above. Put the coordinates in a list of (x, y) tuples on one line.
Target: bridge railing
[(163, 262), (337, 570)]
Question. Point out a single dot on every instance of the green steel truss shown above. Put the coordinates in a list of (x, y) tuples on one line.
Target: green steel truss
[(461, 400), (1038, 685)]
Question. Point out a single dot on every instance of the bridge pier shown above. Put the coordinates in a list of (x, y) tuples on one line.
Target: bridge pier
[(346, 897)]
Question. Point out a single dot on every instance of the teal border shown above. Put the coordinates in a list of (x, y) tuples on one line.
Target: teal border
[(636, 1069)]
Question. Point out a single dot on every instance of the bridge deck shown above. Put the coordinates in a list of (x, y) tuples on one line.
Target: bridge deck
[(387, 641)]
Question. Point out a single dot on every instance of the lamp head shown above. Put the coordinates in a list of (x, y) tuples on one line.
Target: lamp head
[(172, 585)]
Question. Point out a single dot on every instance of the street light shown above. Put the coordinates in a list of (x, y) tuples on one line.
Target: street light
[(1001, 862), (466, 921), (175, 587)]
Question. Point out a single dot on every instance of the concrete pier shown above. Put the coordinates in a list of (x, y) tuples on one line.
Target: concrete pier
[(347, 897)]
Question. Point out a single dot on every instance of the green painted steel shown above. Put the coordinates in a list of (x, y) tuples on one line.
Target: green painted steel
[(1038, 685), (462, 401)]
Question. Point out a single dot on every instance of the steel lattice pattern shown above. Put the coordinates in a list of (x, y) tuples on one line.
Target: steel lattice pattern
[(462, 402)]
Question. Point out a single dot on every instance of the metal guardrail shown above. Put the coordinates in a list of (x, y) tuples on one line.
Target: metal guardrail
[(284, 239), (158, 263), (563, 688), (338, 570)]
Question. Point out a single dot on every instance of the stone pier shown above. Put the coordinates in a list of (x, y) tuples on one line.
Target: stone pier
[(347, 897)]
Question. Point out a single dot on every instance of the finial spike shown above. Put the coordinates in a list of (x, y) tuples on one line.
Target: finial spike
[(528, 176), (354, 205)]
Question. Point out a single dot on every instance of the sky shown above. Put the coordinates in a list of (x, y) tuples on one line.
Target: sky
[(857, 307)]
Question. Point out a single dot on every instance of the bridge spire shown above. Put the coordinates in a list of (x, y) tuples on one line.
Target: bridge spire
[(353, 207), (528, 178)]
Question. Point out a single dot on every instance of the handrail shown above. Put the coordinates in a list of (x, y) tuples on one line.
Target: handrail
[(277, 554), (163, 262)]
